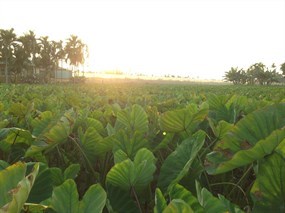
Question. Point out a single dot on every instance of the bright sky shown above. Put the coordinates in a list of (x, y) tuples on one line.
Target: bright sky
[(182, 37)]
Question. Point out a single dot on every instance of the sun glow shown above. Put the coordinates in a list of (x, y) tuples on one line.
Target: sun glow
[(201, 39)]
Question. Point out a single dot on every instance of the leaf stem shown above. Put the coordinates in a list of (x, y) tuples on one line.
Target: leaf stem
[(209, 145), (205, 174), (241, 179), (234, 184), (87, 160), (137, 200), (14, 141)]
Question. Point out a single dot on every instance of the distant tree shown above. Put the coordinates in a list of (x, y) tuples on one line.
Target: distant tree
[(32, 48), (57, 54), (256, 72), (19, 61), (282, 68), (235, 75), (28, 55), (45, 58), (7, 43), (76, 51)]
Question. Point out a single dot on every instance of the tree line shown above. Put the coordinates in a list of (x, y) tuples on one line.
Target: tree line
[(257, 73), (28, 58)]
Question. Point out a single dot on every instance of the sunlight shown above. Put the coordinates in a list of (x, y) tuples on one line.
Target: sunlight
[(201, 39)]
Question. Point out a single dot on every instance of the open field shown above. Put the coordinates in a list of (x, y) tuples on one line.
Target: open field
[(131, 145)]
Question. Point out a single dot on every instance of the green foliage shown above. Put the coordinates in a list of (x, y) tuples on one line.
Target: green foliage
[(120, 200), (93, 145), (177, 164), (178, 205), (18, 193), (43, 185), (160, 202), (134, 119), (141, 148), (179, 192), (268, 191), (213, 204), (186, 119), (252, 138), (137, 174), (22, 55), (9, 178), (65, 198), (50, 132), (256, 73)]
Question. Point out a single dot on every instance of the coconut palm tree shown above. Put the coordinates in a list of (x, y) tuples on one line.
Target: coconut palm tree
[(19, 61), (57, 54), (32, 48), (45, 58), (76, 51), (7, 43)]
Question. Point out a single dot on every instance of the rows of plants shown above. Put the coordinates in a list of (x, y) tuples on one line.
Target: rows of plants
[(142, 148)]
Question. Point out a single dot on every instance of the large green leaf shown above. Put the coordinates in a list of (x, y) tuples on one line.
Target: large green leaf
[(254, 137), (93, 144), (11, 137), (9, 178), (130, 145), (212, 204), (221, 129), (280, 149), (56, 176), (183, 119), (20, 193), (177, 164), (226, 108), (16, 135), (50, 132), (120, 200), (134, 119), (168, 137), (93, 200), (42, 123), (43, 185), (160, 202), (120, 156), (71, 171), (178, 205), (137, 173), (268, 191), (65, 198), (3, 165), (179, 192), (18, 109), (91, 122)]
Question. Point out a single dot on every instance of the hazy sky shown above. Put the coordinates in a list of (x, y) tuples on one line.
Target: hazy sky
[(182, 37)]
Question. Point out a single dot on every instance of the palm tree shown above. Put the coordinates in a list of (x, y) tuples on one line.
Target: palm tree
[(256, 72), (45, 58), (57, 54), (31, 46), (7, 42), (76, 51), (19, 61), (235, 75), (282, 68)]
